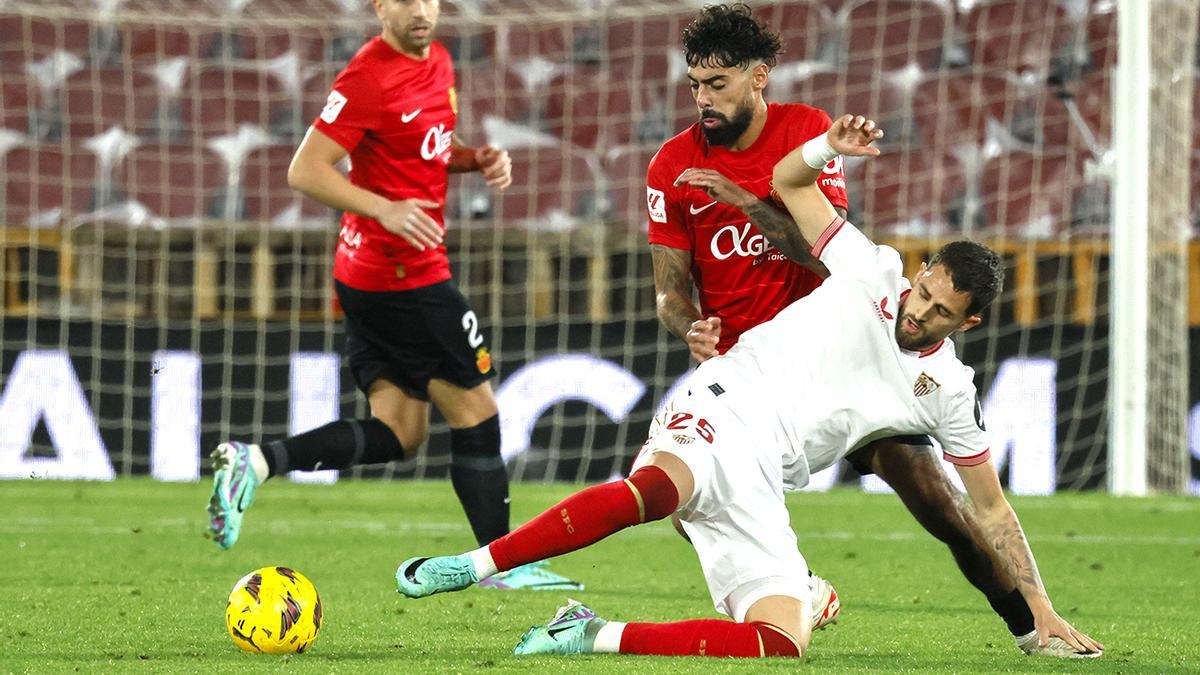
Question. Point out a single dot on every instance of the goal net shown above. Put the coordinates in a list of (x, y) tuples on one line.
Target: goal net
[(162, 289)]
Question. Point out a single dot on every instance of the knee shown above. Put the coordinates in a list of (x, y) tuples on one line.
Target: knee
[(410, 436), (656, 496)]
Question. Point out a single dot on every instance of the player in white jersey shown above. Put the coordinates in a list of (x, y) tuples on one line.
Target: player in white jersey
[(865, 356)]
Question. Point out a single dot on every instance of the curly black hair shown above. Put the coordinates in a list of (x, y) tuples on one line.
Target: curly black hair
[(975, 269), (728, 36)]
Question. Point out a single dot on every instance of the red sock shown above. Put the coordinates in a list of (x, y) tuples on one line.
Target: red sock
[(587, 517), (707, 637)]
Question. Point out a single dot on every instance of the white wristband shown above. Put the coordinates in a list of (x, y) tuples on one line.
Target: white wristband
[(817, 152)]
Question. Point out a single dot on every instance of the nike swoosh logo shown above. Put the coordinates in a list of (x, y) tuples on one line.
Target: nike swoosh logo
[(555, 631), (408, 117), (242, 503), (695, 210)]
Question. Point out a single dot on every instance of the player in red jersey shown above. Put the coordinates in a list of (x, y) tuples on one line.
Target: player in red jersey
[(411, 337), (716, 224)]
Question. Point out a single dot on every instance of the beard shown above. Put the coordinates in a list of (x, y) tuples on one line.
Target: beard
[(913, 343), (728, 130)]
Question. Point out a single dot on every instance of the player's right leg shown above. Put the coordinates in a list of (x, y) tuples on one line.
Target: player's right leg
[(652, 492)]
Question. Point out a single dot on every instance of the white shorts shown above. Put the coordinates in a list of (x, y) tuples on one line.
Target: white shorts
[(736, 517)]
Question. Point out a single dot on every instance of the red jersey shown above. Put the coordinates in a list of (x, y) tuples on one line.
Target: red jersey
[(395, 115), (740, 277)]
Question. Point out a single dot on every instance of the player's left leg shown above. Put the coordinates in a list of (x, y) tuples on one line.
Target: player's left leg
[(912, 470), (776, 625)]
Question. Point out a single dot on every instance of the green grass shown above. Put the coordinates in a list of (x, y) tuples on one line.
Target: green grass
[(117, 576)]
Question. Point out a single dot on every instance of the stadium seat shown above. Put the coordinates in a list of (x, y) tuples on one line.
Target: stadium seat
[(838, 92), (624, 170), (25, 39), (1027, 194), (1028, 38), (891, 34), (1091, 94), (16, 96), (468, 43), (552, 188), (218, 99), (956, 107), (800, 26), (564, 43), (490, 89), (1101, 36), (96, 99), (46, 183), (143, 44), (177, 182), (913, 193), (589, 108)]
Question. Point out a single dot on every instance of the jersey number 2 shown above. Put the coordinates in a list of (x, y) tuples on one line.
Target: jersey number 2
[(470, 323)]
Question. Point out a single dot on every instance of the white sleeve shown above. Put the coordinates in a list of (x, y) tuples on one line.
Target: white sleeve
[(847, 252), (961, 430)]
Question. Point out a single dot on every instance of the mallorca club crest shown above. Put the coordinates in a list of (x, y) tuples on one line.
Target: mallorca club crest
[(925, 385), (483, 359)]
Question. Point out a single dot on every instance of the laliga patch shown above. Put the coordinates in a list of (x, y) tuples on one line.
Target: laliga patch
[(483, 359), (333, 106), (656, 204)]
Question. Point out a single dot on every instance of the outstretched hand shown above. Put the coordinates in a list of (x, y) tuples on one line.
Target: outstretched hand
[(853, 135), (1052, 625)]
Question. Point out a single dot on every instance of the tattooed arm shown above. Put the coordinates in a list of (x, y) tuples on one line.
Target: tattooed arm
[(1002, 529), (673, 299), (781, 230)]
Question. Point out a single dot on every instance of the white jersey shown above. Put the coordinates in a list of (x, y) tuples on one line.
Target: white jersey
[(826, 376)]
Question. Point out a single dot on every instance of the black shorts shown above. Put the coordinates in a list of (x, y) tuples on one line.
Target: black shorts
[(860, 459), (410, 337)]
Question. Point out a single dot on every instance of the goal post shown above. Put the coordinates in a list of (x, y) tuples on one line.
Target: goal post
[(1152, 112)]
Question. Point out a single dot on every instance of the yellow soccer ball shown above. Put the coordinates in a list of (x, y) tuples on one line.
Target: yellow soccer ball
[(273, 610)]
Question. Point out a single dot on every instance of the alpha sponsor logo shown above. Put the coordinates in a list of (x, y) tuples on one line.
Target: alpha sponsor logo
[(656, 204), (925, 385), (333, 106), (436, 142), (730, 241)]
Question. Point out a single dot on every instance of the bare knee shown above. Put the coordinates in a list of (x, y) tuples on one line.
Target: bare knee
[(788, 616), (407, 417), (463, 408)]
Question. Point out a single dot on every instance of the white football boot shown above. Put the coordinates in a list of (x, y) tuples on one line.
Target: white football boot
[(1056, 647), (825, 602)]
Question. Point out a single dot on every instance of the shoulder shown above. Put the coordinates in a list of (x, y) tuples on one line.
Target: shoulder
[(678, 149), (366, 62), (957, 377)]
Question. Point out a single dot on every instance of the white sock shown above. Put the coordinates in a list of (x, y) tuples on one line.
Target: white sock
[(485, 567), (608, 638), (259, 463)]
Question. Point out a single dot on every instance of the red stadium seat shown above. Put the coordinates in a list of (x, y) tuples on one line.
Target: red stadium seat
[(589, 108), (550, 187), (955, 107), (1092, 93), (24, 38), (916, 192), (96, 99), (144, 44), (218, 99), (1029, 194), (489, 89), (176, 182), (1102, 36), (891, 34), (624, 170), (41, 179), (838, 92), (799, 25), (17, 95), (1023, 37)]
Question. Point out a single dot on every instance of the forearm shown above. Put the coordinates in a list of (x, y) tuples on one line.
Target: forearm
[(327, 185), (781, 230), (676, 312), (1003, 531), (462, 157)]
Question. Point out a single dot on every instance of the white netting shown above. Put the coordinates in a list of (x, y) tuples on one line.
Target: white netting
[(148, 227)]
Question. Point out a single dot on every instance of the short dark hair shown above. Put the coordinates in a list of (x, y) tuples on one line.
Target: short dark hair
[(728, 36), (975, 269)]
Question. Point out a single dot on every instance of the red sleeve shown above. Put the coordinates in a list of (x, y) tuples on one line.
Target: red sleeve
[(662, 206), (352, 109)]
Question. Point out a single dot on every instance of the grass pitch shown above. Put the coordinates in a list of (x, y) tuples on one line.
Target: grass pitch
[(117, 576)]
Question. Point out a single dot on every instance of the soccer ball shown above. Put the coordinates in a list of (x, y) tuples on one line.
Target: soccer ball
[(273, 610)]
